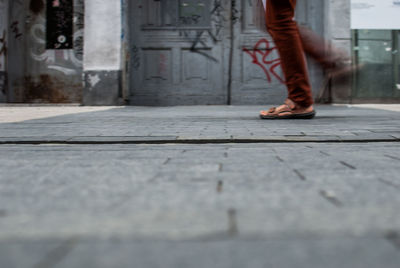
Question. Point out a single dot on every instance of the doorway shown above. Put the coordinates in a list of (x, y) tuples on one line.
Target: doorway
[(203, 52)]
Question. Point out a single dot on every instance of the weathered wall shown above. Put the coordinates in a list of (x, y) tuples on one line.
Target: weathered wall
[(16, 60), (102, 52), (37, 74), (3, 48), (102, 35)]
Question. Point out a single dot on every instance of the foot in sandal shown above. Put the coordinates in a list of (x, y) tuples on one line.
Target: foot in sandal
[(289, 110)]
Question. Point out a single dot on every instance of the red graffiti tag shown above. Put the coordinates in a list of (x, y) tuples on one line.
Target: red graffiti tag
[(259, 54)]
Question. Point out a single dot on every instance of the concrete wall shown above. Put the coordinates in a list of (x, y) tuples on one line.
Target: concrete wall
[(102, 52)]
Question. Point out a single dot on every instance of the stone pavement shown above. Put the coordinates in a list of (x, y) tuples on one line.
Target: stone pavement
[(191, 124), (198, 187)]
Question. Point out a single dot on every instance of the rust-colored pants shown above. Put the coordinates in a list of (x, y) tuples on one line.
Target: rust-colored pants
[(285, 32)]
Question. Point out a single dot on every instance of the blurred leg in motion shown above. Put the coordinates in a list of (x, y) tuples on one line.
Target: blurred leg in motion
[(333, 60)]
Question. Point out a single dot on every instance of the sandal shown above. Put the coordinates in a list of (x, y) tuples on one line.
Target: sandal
[(288, 110)]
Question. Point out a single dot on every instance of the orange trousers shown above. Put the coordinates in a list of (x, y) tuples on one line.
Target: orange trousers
[(285, 33)]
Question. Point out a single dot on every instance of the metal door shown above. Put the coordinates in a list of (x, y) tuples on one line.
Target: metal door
[(208, 52)]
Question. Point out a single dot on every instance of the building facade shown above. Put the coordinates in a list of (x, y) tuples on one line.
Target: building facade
[(175, 52)]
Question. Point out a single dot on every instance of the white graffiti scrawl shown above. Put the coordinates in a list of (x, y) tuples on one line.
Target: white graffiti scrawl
[(67, 61)]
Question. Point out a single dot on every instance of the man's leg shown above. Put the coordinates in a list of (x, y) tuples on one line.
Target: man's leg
[(284, 31)]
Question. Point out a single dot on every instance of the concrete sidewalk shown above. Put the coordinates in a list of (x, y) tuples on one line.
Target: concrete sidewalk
[(192, 187), (191, 124)]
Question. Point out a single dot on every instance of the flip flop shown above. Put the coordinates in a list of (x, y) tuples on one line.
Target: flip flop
[(287, 111), (309, 115)]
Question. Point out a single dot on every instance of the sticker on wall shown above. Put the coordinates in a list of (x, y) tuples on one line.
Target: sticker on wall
[(59, 24), (375, 14)]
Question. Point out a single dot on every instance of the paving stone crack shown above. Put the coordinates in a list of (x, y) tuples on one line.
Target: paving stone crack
[(394, 238), (324, 153), (347, 165), (167, 161), (301, 176), (392, 157), (392, 184), (220, 186)]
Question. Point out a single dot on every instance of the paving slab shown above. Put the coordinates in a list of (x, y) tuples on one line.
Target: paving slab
[(342, 252), (183, 191), (199, 187)]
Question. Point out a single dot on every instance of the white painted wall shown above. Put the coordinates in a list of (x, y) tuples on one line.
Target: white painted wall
[(102, 48)]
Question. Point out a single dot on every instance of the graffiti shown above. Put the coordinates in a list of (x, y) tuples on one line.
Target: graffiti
[(3, 49), (190, 20), (79, 32), (49, 56), (135, 57), (198, 37), (66, 61), (217, 19), (235, 12), (78, 46), (3, 44), (259, 54), (198, 42), (16, 17), (15, 29), (3, 83)]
